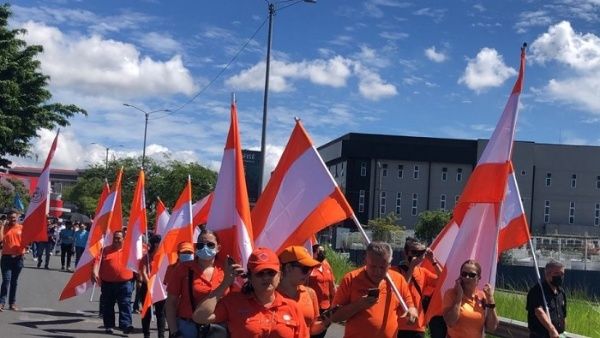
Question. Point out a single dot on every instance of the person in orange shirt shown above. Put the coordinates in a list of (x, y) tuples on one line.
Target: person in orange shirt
[(466, 309), (258, 310), (197, 277), (297, 264), (116, 285), (367, 302), (12, 259), (159, 307), (321, 280), (418, 279)]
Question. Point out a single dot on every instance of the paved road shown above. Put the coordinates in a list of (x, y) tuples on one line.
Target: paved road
[(42, 315)]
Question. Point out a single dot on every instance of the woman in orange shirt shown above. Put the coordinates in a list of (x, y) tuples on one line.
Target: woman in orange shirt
[(258, 310), (297, 264), (466, 309)]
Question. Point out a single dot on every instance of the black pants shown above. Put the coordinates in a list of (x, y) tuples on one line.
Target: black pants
[(44, 247), (159, 312), (78, 253), (437, 327), (66, 250), (410, 334)]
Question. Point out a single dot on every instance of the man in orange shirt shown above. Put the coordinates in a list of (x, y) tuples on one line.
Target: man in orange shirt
[(321, 280), (367, 302), (116, 285), (12, 259), (418, 279)]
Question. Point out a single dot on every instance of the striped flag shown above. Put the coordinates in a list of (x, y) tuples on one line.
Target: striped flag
[(137, 227)]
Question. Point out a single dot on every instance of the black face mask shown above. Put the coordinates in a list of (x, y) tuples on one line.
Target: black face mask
[(320, 256), (557, 281)]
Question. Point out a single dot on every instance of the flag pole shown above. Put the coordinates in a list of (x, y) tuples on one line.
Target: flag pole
[(387, 275)]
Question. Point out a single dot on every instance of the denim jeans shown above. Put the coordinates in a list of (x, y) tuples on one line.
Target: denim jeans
[(66, 250), (120, 293), (188, 329), (78, 253), (44, 247), (11, 268)]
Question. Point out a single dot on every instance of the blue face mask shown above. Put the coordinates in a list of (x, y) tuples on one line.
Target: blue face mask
[(206, 253), (186, 257)]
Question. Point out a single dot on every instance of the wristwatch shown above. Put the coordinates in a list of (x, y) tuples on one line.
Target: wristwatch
[(490, 306)]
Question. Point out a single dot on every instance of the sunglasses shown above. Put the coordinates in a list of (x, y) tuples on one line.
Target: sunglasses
[(470, 275), (210, 245), (266, 272), (305, 269)]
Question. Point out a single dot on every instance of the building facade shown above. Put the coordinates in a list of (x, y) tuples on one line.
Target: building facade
[(382, 174)]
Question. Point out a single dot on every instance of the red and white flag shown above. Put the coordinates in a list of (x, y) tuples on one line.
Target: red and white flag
[(178, 229), (514, 229), (162, 218), (81, 279), (300, 199), (230, 211), (35, 225), (200, 210), (137, 227), (473, 231)]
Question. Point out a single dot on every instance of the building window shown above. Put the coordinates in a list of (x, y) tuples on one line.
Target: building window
[(399, 203), (342, 170), (336, 170), (444, 174), (546, 212), (597, 215), (597, 182), (384, 170), (456, 197), (363, 169), (382, 204), (401, 171), (361, 201), (548, 179), (523, 173), (443, 202), (571, 212), (459, 173), (416, 172), (574, 181), (415, 204)]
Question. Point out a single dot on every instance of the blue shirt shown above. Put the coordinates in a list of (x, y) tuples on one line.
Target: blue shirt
[(81, 237), (67, 236)]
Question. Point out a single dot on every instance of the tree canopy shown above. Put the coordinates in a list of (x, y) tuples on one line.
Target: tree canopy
[(164, 180), (430, 223), (8, 189), (25, 102)]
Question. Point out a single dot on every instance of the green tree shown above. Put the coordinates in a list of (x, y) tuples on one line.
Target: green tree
[(430, 223), (164, 180), (25, 105), (8, 189), (385, 228)]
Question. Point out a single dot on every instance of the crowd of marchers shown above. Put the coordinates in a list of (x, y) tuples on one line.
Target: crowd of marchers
[(292, 294)]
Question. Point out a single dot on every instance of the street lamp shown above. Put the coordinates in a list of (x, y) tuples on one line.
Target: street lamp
[(107, 149), (263, 138), (146, 114)]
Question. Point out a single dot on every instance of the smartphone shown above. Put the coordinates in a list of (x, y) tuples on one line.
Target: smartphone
[(373, 292), (329, 312)]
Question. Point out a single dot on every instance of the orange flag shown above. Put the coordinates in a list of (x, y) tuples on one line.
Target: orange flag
[(137, 227)]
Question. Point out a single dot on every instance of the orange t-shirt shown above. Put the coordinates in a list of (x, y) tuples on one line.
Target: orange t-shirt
[(471, 318), (246, 318), (169, 272), (112, 268), (381, 319), (12, 240), (321, 280), (178, 285), (307, 299), (424, 279)]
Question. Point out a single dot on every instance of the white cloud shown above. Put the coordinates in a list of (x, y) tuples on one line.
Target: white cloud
[(434, 55), (581, 53), (97, 66), (160, 42), (486, 70), (393, 35), (532, 19), (436, 14), (371, 86)]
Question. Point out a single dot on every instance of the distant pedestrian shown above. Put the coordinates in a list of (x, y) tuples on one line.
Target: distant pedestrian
[(537, 319), (159, 307), (67, 246), (115, 284), (47, 246), (11, 262), (81, 237)]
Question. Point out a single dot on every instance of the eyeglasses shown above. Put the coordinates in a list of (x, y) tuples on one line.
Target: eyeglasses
[(266, 272), (210, 245), (470, 275), (305, 269)]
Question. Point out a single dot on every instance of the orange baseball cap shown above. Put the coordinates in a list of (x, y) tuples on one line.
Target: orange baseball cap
[(185, 246), (298, 254), (262, 259)]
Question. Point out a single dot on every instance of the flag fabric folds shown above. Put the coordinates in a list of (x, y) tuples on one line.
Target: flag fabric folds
[(35, 226), (514, 230), (178, 229), (300, 199), (229, 214), (473, 231), (81, 278), (136, 227), (200, 210), (162, 218)]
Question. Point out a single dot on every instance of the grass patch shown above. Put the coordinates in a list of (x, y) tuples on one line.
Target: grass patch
[(340, 264)]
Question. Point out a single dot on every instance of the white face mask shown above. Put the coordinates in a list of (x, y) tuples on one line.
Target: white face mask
[(186, 257), (206, 254)]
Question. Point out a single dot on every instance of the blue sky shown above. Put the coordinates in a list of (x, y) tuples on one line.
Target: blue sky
[(422, 68)]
